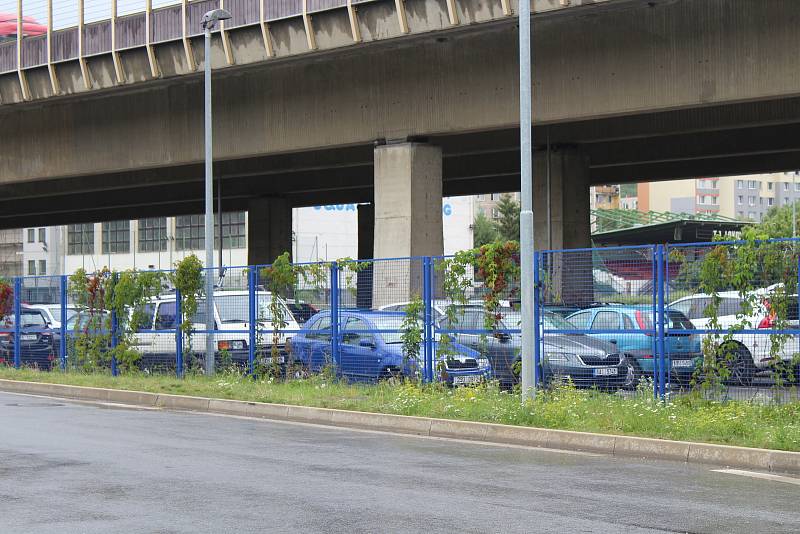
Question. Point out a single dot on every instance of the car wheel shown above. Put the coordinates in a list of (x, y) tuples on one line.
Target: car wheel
[(633, 373), (741, 367)]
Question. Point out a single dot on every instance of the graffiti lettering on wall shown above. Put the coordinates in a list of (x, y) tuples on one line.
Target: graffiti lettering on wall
[(447, 209)]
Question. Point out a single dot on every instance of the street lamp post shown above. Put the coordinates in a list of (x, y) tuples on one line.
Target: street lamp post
[(526, 212), (210, 20)]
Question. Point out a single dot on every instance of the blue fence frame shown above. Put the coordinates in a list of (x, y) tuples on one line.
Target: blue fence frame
[(578, 264)]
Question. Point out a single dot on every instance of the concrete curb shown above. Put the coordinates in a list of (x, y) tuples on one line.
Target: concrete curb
[(695, 453)]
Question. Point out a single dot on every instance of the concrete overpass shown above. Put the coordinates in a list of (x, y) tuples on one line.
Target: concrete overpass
[(397, 103)]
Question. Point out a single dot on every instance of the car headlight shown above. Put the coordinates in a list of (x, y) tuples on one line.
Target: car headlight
[(231, 345), (483, 362), (561, 358)]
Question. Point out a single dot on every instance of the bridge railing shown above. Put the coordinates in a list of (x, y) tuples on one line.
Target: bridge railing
[(55, 31)]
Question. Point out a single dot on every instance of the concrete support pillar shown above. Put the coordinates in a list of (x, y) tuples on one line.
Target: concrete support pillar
[(366, 251), (269, 229), (408, 217), (561, 221)]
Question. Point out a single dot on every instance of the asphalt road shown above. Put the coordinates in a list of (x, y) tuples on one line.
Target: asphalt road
[(69, 467)]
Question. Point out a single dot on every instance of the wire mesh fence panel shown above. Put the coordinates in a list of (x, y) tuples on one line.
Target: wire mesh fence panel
[(740, 299), (598, 317), (476, 322), (377, 322)]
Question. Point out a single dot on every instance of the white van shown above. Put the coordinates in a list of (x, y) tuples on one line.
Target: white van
[(156, 340)]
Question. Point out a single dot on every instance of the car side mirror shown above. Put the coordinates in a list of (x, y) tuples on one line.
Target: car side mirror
[(368, 343), (612, 341), (503, 337)]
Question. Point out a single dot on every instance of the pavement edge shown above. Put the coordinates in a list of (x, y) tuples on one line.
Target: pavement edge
[(629, 446)]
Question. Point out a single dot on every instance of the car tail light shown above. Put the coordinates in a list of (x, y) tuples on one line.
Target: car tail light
[(646, 356), (769, 320), (224, 345)]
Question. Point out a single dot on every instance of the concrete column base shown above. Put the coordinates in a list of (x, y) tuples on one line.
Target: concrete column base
[(408, 217), (269, 230), (561, 222)]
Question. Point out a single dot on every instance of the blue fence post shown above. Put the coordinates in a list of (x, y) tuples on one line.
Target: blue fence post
[(114, 336), (178, 334), (17, 320), (537, 322), (427, 298), (654, 344), (335, 315), (662, 363), (62, 346), (251, 295)]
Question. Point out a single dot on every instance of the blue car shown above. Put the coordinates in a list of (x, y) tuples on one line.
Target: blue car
[(371, 348), (622, 326)]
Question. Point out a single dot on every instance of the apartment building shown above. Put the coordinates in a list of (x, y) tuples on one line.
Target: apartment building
[(745, 197)]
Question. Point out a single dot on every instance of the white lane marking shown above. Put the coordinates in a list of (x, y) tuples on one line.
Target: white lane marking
[(399, 434), (316, 425), (85, 401), (756, 474)]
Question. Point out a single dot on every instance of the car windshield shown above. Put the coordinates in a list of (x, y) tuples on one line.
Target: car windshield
[(30, 319), (236, 308), (55, 311), (84, 320), (512, 320)]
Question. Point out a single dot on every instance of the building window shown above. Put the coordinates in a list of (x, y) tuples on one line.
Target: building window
[(769, 186), (770, 201), (785, 200), (785, 186), (714, 200), (32, 267), (42, 235), (153, 234), (42, 266), (31, 235), (751, 184), (740, 200), (80, 238), (739, 184), (740, 214), (116, 237), (189, 232), (495, 213), (233, 230), (751, 215), (751, 201)]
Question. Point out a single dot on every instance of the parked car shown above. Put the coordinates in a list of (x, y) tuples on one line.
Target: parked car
[(36, 339), (52, 313), (622, 325), (302, 311), (586, 361), (751, 352), (155, 339), (371, 348)]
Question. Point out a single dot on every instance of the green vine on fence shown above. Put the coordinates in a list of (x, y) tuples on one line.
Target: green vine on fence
[(744, 268), (411, 331)]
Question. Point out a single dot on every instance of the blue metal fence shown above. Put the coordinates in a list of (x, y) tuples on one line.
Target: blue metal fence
[(617, 318)]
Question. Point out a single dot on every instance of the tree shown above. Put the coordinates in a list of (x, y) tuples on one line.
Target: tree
[(483, 231), (777, 222), (507, 226)]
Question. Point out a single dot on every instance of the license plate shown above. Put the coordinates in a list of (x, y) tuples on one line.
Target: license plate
[(682, 363), (606, 371), (269, 360), (467, 379), (28, 337)]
